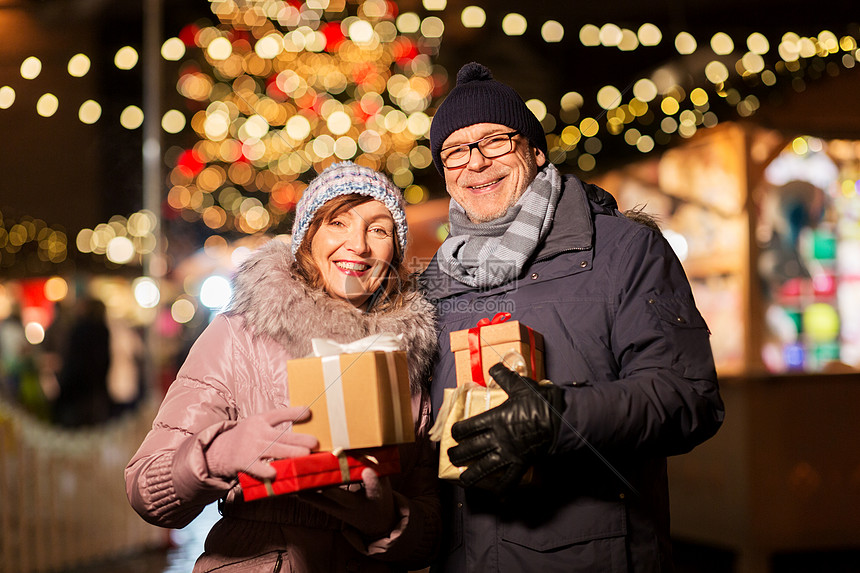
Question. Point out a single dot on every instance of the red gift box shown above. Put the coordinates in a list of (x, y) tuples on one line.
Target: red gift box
[(321, 470)]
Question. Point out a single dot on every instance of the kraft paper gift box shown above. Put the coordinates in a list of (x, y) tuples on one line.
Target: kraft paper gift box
[(359, 398), (321, 470), (477, 349)]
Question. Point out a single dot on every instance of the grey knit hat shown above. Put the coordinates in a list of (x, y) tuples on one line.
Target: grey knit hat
[(345, 178), (478, 98)]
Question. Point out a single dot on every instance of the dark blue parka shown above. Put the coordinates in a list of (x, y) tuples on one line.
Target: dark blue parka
[(624, 339)]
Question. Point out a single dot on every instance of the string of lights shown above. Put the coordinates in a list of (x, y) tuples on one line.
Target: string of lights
[(279, 89)]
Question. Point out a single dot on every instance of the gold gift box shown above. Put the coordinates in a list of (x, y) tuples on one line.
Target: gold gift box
[(496, 341), (360, 400), (465, 401)]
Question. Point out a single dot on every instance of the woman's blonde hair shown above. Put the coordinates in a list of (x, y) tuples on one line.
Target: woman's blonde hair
[(398, 281)]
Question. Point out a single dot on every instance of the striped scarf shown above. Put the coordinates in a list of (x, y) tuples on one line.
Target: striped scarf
[(487, 255)]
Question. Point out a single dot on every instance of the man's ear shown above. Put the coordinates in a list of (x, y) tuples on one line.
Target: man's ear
[(540, 157)]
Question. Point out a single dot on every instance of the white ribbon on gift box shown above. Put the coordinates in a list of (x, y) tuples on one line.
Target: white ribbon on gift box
[(330, 351)]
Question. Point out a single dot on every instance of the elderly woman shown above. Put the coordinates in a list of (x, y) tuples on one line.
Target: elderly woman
[(228, 410)]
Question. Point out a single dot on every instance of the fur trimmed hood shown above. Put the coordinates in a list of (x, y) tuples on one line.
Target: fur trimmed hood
[(277, 304)]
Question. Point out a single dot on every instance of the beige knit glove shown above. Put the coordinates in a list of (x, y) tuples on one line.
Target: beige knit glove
[(253, 442)]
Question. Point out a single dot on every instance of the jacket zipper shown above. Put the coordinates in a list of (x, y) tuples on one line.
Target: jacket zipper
[(561, 252)]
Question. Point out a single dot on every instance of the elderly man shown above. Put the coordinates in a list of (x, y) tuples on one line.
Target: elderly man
[(625, 347)]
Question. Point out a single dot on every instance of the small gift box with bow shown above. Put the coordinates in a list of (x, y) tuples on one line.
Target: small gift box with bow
[(321, 470), (477, 349), (358, 393)]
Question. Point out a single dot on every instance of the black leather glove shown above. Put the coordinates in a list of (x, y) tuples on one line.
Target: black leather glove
[(500, 445)]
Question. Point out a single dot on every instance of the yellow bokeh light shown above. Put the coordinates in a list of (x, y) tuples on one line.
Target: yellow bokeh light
[(586, 162), (125, 58), (141, 223), (182, 310), (645, 144), (722, 44), (408, 22), (716, 72), (757, 43), (589, 127), (432, 27), (473, 17), (84, 240), (699, 96), (629, 40), (219, 49), (79, 65), (339, 123), (638, 107), (807, 48), (649, 35), (685, 43), (298, 127), (34, 333), (645, 90), (435, 4), (7, 97), (570, 135), (415, 194), (269, 46), (56, 289), (552, 31), (173, 49), (323, 146), (345, 147), (173, 121), (608, 97), (360, 31), (537, 107), (752, 62), (47, 105), (669, 105), (610, 35), (418, 124), (799, 146), (514, 24), (589, 35), (31, 67), (89, 112), (120, 250), (571, 100), (131, 117)]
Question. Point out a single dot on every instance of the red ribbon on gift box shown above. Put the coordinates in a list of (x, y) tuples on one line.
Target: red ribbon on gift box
[(475, 346), (321, 470)]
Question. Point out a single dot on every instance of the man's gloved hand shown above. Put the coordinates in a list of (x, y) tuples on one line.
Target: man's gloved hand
[(500, 445), (251, 443)]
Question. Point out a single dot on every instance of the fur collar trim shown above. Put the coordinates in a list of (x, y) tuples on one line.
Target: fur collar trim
[(277, 304)]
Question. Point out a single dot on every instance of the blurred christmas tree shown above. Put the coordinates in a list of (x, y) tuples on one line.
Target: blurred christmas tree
[(281, 89)]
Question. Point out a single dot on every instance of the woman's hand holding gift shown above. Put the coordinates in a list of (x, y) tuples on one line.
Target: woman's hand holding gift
[(253, 442)]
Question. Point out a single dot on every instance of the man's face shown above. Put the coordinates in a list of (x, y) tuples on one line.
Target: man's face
[(486, 188)]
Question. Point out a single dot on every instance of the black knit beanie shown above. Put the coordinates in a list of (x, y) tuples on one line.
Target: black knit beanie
[(478, 98)]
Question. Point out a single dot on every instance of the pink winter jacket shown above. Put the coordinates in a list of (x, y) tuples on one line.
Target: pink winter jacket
[(237, 368)]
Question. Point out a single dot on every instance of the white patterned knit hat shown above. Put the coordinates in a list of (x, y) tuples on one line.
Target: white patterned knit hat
[(343, 179)]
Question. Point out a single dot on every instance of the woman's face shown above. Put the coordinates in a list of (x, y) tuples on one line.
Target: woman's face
[(353, 251)]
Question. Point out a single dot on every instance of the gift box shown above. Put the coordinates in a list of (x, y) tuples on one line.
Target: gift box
[(357, 399), (477, 349), (460, 403), (321, 470)]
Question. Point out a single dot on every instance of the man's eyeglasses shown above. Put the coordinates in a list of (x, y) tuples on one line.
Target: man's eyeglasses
[(490, 147)]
